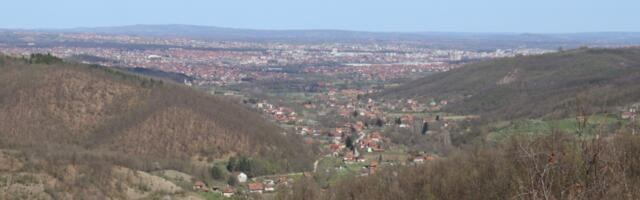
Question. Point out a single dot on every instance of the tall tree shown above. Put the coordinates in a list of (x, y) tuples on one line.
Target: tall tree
[(425, 128), (217, 173), (349, 143)]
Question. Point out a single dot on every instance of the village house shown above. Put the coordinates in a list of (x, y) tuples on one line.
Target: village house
[(361, 159), (345, 112), (309, 105), (269, 185), (283, 180), (332, 92), (433, 103), (372, 143), (376, 136), (334, 149), (200, 186), (371, 114), (305, 130), (420, 159), (335, 136), (364, 172), (228, 192), (359, 126), (240, 176), (628, 115), (349, 157), (407, 119), (256, 187)]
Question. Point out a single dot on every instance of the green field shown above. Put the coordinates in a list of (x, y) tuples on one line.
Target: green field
[(212, 196), (392, 154), (503, 129)]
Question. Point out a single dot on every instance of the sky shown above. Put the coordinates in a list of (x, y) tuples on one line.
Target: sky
[(518, 16)]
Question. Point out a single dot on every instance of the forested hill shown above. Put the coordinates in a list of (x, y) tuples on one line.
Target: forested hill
[(549, 85), (45, 101)]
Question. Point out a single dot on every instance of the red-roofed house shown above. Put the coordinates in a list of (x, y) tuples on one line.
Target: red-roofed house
[(199, 185), (334, 148), (627, 115), (349, 157), (256, 187), (228, 192)]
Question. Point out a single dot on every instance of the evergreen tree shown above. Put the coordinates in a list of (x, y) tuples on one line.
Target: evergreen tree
[(217, 173), (425, 128), (349, 143), (231, 165), (232, 181)]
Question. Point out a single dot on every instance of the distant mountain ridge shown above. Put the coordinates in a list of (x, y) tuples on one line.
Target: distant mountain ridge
[(212, 32), (511, 40)]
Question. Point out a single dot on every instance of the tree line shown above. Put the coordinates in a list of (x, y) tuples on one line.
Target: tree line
[(554, 166)]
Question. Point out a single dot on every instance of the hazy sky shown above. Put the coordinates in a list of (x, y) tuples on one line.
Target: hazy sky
[(541, 16)]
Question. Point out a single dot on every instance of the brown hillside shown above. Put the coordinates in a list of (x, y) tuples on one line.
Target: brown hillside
[(97, 108), (534, 86)]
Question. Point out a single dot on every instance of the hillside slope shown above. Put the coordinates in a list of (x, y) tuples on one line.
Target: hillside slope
[(536, 86), (91, 107)]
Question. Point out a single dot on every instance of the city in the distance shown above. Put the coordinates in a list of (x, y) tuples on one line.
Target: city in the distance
[(309, 100)]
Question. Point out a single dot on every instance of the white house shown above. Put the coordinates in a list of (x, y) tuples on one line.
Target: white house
[(241, 177)]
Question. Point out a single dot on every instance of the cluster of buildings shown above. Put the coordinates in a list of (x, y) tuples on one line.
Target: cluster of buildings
[(254, 185), (279, 113), (230, 62), (630, 113)]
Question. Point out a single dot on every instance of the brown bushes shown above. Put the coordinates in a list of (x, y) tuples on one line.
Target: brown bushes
[(556, 166)]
